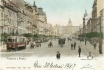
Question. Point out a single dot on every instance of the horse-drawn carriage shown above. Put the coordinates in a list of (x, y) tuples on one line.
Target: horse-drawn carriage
[(61, 41)]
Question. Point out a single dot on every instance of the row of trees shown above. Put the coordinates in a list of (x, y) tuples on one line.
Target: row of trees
[(35, 35), (28, 35), (91, 35)]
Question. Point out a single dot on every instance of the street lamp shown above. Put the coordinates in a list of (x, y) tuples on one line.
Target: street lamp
[(86, 29), (100, 42)]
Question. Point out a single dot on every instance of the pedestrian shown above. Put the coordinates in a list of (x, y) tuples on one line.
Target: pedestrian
[(74, 45), (31, 44), (68, 39), (50, 44), (90, 55), (80, 40), (34, 44), (94, 45), (71, 46), (58, 55), (79, 51)]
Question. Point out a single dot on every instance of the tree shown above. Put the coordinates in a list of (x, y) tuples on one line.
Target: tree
[(4, 36), (27, 35)]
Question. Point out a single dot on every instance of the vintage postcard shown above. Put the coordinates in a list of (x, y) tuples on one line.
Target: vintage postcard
[(51, 35)]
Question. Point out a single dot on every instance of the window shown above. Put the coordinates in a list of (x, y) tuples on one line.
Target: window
[(9, 40)]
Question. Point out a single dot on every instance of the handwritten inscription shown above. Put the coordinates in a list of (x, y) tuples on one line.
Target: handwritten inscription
[(53, 65)]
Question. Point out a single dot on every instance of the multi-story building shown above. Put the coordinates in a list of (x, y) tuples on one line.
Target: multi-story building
[(21, 17), (102, 22), (97, 7), (89, 26), (51, 30), (84, 21), (29, 17), (80, 31), (35, 18), (9, 16), (67, 31), (88, 23), (18, 17), (42, 20), (1, 16), (59, 30), (54, 31)]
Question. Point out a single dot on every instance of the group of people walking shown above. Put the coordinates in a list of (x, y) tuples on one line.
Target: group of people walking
[(50, 44), (34, 44), (73, 46)]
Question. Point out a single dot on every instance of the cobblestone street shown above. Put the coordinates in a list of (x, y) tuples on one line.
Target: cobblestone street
[(44, 50)]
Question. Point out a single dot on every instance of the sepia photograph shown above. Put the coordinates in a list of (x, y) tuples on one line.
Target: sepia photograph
[(51, 34)]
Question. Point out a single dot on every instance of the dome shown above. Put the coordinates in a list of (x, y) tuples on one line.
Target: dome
[(69, 23)]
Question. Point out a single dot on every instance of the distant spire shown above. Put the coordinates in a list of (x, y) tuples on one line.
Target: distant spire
[(34, 5), (85, 14)]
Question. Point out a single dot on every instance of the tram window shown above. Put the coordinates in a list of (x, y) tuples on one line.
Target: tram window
[(9, 40), (14, 40)]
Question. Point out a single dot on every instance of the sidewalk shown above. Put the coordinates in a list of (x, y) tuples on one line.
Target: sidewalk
[(90, 48)]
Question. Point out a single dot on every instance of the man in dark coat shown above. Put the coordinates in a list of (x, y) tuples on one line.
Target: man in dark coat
[(50, 44), (95, 46), (58, 55), (71, 46), (74, 45), (79, 51)]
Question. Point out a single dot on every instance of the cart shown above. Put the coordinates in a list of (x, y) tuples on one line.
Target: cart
[(38, 44)]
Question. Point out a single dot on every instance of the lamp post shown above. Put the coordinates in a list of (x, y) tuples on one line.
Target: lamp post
[(86, 29), (100, 42), (85, 37)]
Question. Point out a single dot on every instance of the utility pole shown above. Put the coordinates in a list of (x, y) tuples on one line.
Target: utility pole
[(85, 38), (100, 42)]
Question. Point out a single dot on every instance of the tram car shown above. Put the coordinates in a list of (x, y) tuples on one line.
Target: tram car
[(61, 41), (16, 43)]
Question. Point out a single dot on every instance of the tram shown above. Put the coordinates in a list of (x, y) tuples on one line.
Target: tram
[(16, 43), (61, 41)]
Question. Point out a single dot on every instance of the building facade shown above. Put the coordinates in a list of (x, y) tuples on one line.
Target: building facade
[(35, 18), (42, 21), (97, 7), (9, 17), (67, 31)]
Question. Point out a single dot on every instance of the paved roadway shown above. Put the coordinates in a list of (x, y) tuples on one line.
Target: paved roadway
[(45, 51)]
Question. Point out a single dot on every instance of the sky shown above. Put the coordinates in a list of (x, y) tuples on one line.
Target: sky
[(59, 11)]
